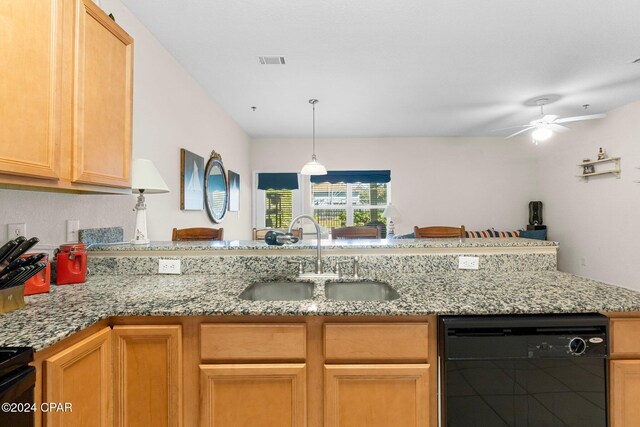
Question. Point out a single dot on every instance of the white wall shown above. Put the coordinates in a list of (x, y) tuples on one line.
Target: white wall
[(596, 222), (171, 111), (478, 182)]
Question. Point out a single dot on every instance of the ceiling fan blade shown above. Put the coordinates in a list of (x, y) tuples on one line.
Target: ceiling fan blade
[(579, 118), (510, 127), (520, 131), (558, 128), (548, 118)]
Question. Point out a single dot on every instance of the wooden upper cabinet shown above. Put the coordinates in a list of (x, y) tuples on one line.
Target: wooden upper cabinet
[(101, 148), (66, 79), (82, 376), (30, 87)]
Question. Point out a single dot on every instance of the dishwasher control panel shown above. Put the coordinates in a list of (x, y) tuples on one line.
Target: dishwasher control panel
[(566, 345)]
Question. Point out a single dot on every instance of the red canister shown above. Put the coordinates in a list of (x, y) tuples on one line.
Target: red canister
[(41, 282), (72, 264)]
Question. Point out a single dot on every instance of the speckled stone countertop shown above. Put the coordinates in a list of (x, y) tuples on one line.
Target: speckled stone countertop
[(49, 318), (326, 244)]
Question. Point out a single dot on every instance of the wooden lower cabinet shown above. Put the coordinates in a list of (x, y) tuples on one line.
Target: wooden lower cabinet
[(625, 393), (82, 376), (624, 370), (376, 395), (148, 375), (265, 395), (249, 371)]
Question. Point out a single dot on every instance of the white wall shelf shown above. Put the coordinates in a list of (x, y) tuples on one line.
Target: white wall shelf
[(615, 171)]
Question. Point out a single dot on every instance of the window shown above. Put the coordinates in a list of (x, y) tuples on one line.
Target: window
[(277, 200), (342, 204), (278, 211)]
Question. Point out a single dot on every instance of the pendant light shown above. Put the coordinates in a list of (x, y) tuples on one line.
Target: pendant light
[(313, 167)]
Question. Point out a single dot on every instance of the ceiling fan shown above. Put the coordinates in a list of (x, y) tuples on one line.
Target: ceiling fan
[(544, 127)]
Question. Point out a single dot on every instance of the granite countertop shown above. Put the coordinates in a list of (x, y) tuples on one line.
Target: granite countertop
[(49, 318), (326, 244)]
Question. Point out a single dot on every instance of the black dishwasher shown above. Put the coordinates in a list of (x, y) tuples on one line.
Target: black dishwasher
[(524, 371)]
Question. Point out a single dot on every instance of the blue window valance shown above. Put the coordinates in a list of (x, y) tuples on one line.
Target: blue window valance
[(351, 177), (278, 181)]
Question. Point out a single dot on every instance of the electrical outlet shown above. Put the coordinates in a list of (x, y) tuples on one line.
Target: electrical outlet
[(468, 262), (16, 230), (169, 266), (73, 225)]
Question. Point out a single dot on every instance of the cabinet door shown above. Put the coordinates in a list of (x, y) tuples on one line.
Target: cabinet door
[(81, 375), (376, 395), (101, 149), (625, 389), (30, 87), (265, 395), (148, 375)]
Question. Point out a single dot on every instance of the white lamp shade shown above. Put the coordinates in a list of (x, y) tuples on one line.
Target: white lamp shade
[(145, 176), (313, 168), (391, 211)]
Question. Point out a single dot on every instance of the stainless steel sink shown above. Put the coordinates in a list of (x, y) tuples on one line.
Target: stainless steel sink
[(278, 291), (360, 291)]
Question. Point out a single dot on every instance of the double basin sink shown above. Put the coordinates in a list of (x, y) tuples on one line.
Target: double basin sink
[(340, 291)]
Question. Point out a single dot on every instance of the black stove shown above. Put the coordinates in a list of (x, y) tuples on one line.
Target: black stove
[(17, 383)]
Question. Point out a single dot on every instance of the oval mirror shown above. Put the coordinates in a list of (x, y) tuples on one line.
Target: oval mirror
[(216, 188)]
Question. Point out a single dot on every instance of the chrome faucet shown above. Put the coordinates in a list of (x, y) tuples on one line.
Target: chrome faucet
[(319, 269)]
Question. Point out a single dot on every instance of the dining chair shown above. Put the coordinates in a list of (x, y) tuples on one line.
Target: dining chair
[(356, 232), (197, 234)]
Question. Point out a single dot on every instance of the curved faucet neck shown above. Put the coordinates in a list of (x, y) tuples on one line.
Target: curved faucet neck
[(309, 217), (318, 237)]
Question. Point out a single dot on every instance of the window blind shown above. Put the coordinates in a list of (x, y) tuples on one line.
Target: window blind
[(278, 181), (352, 177)]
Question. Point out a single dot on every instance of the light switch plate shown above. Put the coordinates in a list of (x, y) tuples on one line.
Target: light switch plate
[(468, 262), (169, 266), (73, 225), (16, 230)]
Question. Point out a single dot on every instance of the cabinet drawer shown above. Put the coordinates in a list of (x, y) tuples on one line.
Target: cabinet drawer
[(625, 337), (376, 341), (239, 342)]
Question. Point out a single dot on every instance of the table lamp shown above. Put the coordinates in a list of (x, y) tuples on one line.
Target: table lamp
[(145, 178), (391, 212)]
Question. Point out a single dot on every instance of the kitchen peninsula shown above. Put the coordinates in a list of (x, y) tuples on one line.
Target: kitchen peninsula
[(207, 351)]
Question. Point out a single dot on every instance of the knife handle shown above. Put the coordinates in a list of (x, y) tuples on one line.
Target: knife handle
[(16, 263), (22, 248), (7, 248), (9, 278)]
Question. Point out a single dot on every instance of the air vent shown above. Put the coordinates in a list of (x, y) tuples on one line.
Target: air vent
[(271, 60)]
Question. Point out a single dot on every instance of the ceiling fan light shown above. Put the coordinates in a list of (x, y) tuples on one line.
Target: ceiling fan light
[(541, 134), (313, 167)]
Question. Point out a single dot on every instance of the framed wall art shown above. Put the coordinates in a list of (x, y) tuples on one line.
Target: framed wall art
[(191, 181), (234, 192)]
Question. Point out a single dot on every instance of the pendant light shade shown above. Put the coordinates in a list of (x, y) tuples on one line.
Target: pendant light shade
[(313, 167)]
